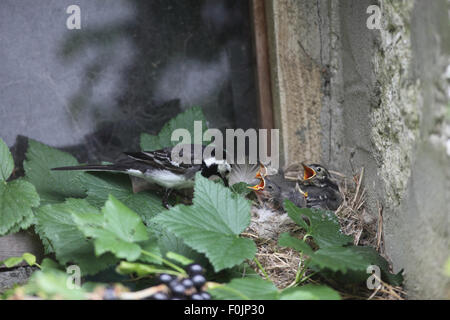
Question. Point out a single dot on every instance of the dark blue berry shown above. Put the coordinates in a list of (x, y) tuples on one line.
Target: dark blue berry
[(165, 278), (205, 295), (177, 288), (198, 280), (159, 296), (187, 283), (197, 296), (194, 269)]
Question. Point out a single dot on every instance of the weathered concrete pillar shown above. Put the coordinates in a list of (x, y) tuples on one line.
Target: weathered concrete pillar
[(350, 96)]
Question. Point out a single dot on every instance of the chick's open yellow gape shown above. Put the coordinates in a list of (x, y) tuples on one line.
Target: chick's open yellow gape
[(308, 172), (262, 172)]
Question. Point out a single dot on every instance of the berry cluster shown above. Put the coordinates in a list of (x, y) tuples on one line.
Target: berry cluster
[(186, 288)]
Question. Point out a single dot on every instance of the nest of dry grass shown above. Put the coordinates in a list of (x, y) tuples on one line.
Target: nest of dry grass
[(281, 265)]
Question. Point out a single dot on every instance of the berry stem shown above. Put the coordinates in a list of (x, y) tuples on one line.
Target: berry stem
[(260, 267), (166, 262)]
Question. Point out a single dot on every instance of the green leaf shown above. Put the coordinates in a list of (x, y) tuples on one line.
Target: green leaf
[(169, 242), (179, 258), (14, 261), (183, 120), (53, 284), (333, 258), (245, 289), (6, 161), (56, 224), (212, 224), (17, 198), (323, 227), (29, 258), (52, 186), (310, 292), (372, 257), (100, 185), (240, 188), (150, 142), (286, 240), (339, 259), (118, 230)]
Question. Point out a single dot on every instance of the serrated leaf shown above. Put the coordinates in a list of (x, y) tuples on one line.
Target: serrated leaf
[(333, 258), (52, 186), (245, 289), (339, 259), (310, 292), (183, 120), (212, 224), (6, 161), (56, 224), (118, 230), (17, 198), (168, 242), (323, 225), (100, 185), (286, 240)]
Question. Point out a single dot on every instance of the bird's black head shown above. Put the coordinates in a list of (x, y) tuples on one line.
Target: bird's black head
[(213, 166)]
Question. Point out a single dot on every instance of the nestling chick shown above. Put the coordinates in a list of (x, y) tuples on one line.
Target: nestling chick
[(273, 190)]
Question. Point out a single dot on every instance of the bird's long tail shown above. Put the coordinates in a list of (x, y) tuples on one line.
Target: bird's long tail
[(95, 167)]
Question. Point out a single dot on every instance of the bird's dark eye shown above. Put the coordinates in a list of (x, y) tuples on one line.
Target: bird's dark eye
[(319, 169), (270, 187)]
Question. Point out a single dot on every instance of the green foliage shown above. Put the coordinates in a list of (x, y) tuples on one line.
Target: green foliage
[(51, 283), (334, 254), (323, 225), (14, 261), (184, 120), (17, 198), (212, 224), (240, 188), (96, 221), (259, 289), (310, 292), (99, 186), (117, 230), (52, 186), (56, 224), (6, 162)]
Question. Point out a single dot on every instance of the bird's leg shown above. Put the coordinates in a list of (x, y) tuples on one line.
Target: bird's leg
[(165, 199)]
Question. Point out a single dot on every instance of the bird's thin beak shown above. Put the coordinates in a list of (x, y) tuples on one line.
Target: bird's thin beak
[(225, 181), (308, 172)]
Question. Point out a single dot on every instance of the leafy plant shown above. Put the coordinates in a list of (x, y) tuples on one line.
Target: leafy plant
[(184, 120), (334, 253), (17, 197), (96, 221), (212, 224)]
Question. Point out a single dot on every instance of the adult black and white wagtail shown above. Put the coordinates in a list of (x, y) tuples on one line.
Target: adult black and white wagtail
[(162, 168)]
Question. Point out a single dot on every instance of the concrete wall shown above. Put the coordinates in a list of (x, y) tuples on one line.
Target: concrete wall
[(382, 103)]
